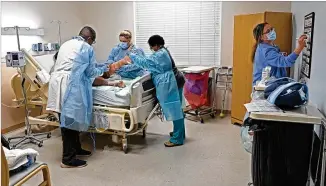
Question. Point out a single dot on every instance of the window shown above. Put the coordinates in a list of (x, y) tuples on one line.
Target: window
[(191, 30)]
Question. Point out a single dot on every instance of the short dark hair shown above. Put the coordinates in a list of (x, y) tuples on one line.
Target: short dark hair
[(156, 40), (88, 31)]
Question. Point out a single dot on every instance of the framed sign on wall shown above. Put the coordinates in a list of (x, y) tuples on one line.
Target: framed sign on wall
[(309, 21)]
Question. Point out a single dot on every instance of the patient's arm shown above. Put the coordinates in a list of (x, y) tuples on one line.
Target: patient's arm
[(117, 84), (106, 75), (115, 66), (100, 81)]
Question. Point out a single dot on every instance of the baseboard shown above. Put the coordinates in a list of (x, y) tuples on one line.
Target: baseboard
[(12, 128), (235, 121), (224, 111)]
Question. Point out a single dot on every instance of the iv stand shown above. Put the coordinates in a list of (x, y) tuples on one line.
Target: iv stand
[(28, 133), (59, 28)]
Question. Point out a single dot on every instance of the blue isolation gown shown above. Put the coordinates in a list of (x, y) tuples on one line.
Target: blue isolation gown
[(169, 96), (76, 111), (160, 66), (127, 71), (269, 55)]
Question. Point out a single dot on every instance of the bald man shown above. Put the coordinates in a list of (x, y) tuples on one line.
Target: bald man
[(70, 92)]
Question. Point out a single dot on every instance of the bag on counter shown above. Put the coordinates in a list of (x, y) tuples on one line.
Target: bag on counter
[(290, 95), (274, 83)]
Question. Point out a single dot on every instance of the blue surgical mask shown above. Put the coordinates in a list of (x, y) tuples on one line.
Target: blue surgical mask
[(271, 36), (123, 45)]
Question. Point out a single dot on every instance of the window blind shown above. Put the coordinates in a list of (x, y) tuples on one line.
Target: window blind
[(191, 30)]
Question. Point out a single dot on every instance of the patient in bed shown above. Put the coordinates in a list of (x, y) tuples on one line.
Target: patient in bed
[(102, 80)]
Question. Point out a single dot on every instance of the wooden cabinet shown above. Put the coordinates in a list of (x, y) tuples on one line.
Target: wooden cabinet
[(243, 42)]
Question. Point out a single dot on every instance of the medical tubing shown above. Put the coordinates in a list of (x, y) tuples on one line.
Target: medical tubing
[(93, 138), (16, 106)]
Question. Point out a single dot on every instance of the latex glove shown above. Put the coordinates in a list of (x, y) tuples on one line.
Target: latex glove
[(115, 66), (121, 84), (111, 69)]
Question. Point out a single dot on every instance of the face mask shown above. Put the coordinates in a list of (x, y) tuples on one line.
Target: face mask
[(123, 45), (271, 36)]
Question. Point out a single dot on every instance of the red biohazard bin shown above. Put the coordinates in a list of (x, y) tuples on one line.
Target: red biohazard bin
[(196, 89)]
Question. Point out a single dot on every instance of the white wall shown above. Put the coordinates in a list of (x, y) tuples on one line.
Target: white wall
[(39, 15), (108, 19), (316, 83)]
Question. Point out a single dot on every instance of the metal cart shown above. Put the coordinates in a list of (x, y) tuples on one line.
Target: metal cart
[(224, 82), (198, 113)]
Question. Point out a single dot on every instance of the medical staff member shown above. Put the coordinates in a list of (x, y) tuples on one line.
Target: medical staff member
[(119, 52), (169, 90), (266, 53), (70, 93)]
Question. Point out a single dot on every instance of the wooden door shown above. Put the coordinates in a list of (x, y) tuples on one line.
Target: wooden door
[(243, 43), (282, 22)]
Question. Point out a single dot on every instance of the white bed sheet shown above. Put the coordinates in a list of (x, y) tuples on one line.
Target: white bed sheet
[(114, 96), (45, 61)]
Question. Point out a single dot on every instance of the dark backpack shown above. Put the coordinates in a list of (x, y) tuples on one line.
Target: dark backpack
[(274, 83), (289, 96), (178, 75)]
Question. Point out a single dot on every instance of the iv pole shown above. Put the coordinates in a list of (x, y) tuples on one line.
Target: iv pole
[(59, 28), (28, 133)]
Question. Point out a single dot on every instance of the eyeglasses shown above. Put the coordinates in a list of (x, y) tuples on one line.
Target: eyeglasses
[(269, 30)]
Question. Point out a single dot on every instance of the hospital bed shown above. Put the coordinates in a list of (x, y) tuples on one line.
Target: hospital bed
[(117, 111)]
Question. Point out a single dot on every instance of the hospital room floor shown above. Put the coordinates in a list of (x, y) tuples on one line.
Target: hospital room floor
[(212, 155)]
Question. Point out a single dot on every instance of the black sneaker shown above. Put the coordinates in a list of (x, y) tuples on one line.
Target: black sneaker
[(84, 153), (75, 163)]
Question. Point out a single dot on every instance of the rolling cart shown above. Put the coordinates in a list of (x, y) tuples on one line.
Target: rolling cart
[(224, 83), (200, 92)]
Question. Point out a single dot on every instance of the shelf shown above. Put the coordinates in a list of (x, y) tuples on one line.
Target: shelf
[(22, 31)]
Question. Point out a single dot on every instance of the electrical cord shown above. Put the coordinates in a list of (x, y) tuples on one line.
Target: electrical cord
[(93, 138), (14, 106)]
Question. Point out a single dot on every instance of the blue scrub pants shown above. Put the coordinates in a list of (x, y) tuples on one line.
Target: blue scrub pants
[(179, 133)]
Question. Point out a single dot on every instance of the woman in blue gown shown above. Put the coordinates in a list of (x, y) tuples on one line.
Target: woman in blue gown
[(169, 87), (119, 52)]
